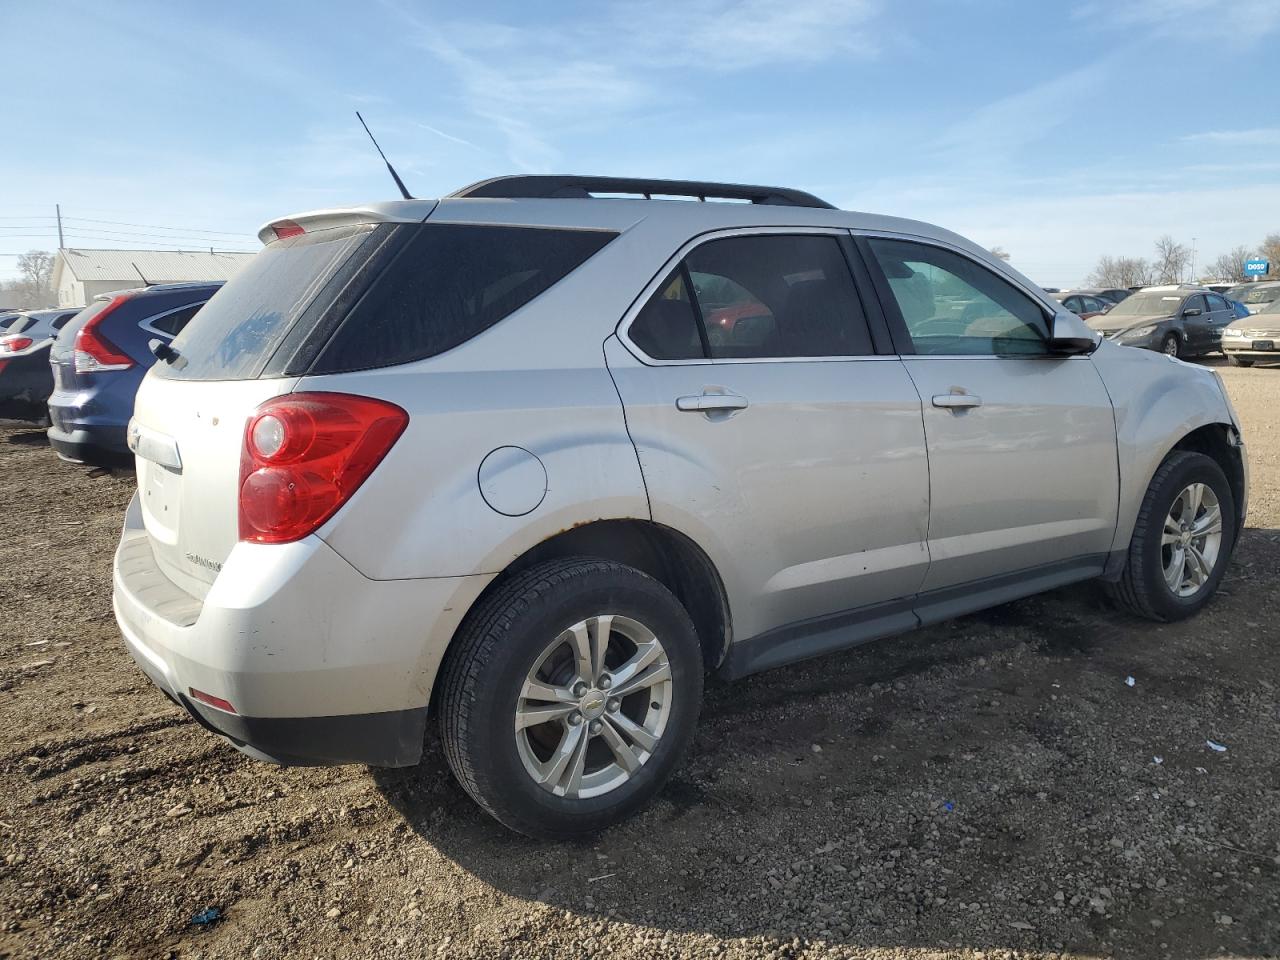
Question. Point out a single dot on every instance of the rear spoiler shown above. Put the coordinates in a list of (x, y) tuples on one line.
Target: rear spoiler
[(402, 211)]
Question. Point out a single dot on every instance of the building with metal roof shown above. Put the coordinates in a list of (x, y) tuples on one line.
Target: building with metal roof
[(79, 275)]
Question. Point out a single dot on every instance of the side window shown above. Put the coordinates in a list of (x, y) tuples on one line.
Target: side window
[(172, 323), (1095, 305), (1194, 303), (1072, 304), (60, 322), (777, 296), (1216, 302), (953, 306), (667, 328)]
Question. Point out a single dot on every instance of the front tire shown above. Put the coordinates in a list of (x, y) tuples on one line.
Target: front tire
[(1171, 346), (1238, 361), (570, 696), (1182, 541)]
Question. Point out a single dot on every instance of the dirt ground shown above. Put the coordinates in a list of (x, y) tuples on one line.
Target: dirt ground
[(983, 788)]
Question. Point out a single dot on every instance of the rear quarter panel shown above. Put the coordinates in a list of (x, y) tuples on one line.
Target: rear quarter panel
[(1158, 400)]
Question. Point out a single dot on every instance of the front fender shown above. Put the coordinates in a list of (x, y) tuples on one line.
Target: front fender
[(1157, 401)]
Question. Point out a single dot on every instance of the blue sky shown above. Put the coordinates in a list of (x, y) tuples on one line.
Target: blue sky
[(1060, 131)]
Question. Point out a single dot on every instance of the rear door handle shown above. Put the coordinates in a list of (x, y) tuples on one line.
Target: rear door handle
[(711, 402), (957, 401)]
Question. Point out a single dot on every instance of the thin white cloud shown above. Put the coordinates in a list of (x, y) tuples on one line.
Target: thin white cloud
[(446, 136), (1257, 137), (1241, 21)]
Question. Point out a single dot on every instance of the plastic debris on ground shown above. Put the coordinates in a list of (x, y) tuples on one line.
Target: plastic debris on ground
[(1215, 747), (1157, 760), (1129, 681), (206, 917)]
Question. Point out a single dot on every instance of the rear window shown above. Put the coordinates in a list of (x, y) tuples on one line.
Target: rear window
[(449, 283), (235, 334)]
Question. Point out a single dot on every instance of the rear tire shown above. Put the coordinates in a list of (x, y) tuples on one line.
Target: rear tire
[(1238, 361), (1162, 579), (532, 650)]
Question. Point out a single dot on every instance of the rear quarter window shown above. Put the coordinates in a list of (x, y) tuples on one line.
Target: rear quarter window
[(448, 284)]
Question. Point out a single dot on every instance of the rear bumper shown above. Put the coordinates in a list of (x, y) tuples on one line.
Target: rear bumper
[(321, 664), (92, 445)]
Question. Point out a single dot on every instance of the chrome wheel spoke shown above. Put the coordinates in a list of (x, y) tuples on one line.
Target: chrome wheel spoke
[(657, 673), (1175, 572), (1199, 566), (622, 751), (572, 745), (635, 733), (1211, 522), (645, 655), (580, 640), (537, 690), (600, 629), (1193, 496), (531, 716)]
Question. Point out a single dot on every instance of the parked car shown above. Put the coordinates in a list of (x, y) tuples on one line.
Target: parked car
[(1114, 294), (1083, 305), (100, 358), (1254, 337), (1255, 296), (1181, 321), (478, 459), (25, 381)]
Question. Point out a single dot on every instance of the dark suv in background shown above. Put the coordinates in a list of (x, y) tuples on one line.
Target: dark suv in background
[(99, 359)]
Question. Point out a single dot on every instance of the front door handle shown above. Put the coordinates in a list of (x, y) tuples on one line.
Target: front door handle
[(711, 403), (957, 401)]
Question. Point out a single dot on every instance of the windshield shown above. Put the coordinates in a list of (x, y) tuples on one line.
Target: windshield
[(1254, 292), (1149, 304), (1272, 307)]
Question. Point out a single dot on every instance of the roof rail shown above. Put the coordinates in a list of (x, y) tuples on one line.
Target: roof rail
[(558, 186)]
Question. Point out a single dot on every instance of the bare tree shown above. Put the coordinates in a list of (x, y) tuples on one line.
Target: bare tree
[(1229, 266), (35, 288), (1270, 250), (1000, 253), (1172, 260), (1121, 272)]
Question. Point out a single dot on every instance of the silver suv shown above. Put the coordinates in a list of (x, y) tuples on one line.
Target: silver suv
[(532, 459)]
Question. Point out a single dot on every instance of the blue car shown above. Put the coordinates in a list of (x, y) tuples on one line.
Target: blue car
[(100, 358)]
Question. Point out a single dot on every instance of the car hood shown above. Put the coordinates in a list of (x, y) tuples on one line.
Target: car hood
[(1106, 323)]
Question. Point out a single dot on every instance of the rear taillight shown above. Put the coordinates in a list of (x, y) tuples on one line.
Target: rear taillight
[(93, 351), (304, 454), (13, 343)]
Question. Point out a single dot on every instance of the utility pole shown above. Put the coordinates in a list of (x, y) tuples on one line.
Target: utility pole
[(58, 207), (1193, 260)]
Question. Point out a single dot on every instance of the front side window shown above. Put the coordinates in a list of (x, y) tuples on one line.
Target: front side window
[(953, 306), (756, 297), (1216, 302), (1194, 303)]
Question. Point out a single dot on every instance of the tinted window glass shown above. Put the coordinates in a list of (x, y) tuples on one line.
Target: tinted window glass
[(450, 283), (1216, 302), (60, 322), (952, 305), (1194, 303), (236, 333), (777, 296), (667, 329), (172, 323)]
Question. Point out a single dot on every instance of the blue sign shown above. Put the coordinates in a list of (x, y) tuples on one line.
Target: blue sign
[(1256, 268)]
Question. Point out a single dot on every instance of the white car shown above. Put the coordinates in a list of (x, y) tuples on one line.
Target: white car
[(531, 461)]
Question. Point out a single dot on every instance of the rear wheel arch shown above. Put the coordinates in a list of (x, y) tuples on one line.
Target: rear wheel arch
[(661, 552)]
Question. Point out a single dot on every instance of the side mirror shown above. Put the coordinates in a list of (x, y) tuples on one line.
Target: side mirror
[(1192, 312), (1069, 335)]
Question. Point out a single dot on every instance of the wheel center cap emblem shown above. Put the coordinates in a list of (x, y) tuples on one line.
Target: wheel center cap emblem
[(592, 704)]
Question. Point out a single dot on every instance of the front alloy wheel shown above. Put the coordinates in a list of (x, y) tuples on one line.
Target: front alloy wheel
[(1192, 540), (593, 707)]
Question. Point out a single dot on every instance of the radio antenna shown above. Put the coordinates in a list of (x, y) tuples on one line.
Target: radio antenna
[(390, 169)]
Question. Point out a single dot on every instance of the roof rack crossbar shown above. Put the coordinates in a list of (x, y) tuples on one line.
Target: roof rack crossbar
[(560, 186)]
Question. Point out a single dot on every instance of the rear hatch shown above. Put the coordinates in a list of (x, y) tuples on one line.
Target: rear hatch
[(190, 413), (62, 353)]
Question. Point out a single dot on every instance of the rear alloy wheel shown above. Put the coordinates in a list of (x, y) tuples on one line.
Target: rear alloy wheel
[(1238, 361), (1171, 346), (1182, 540), (569, 696)]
